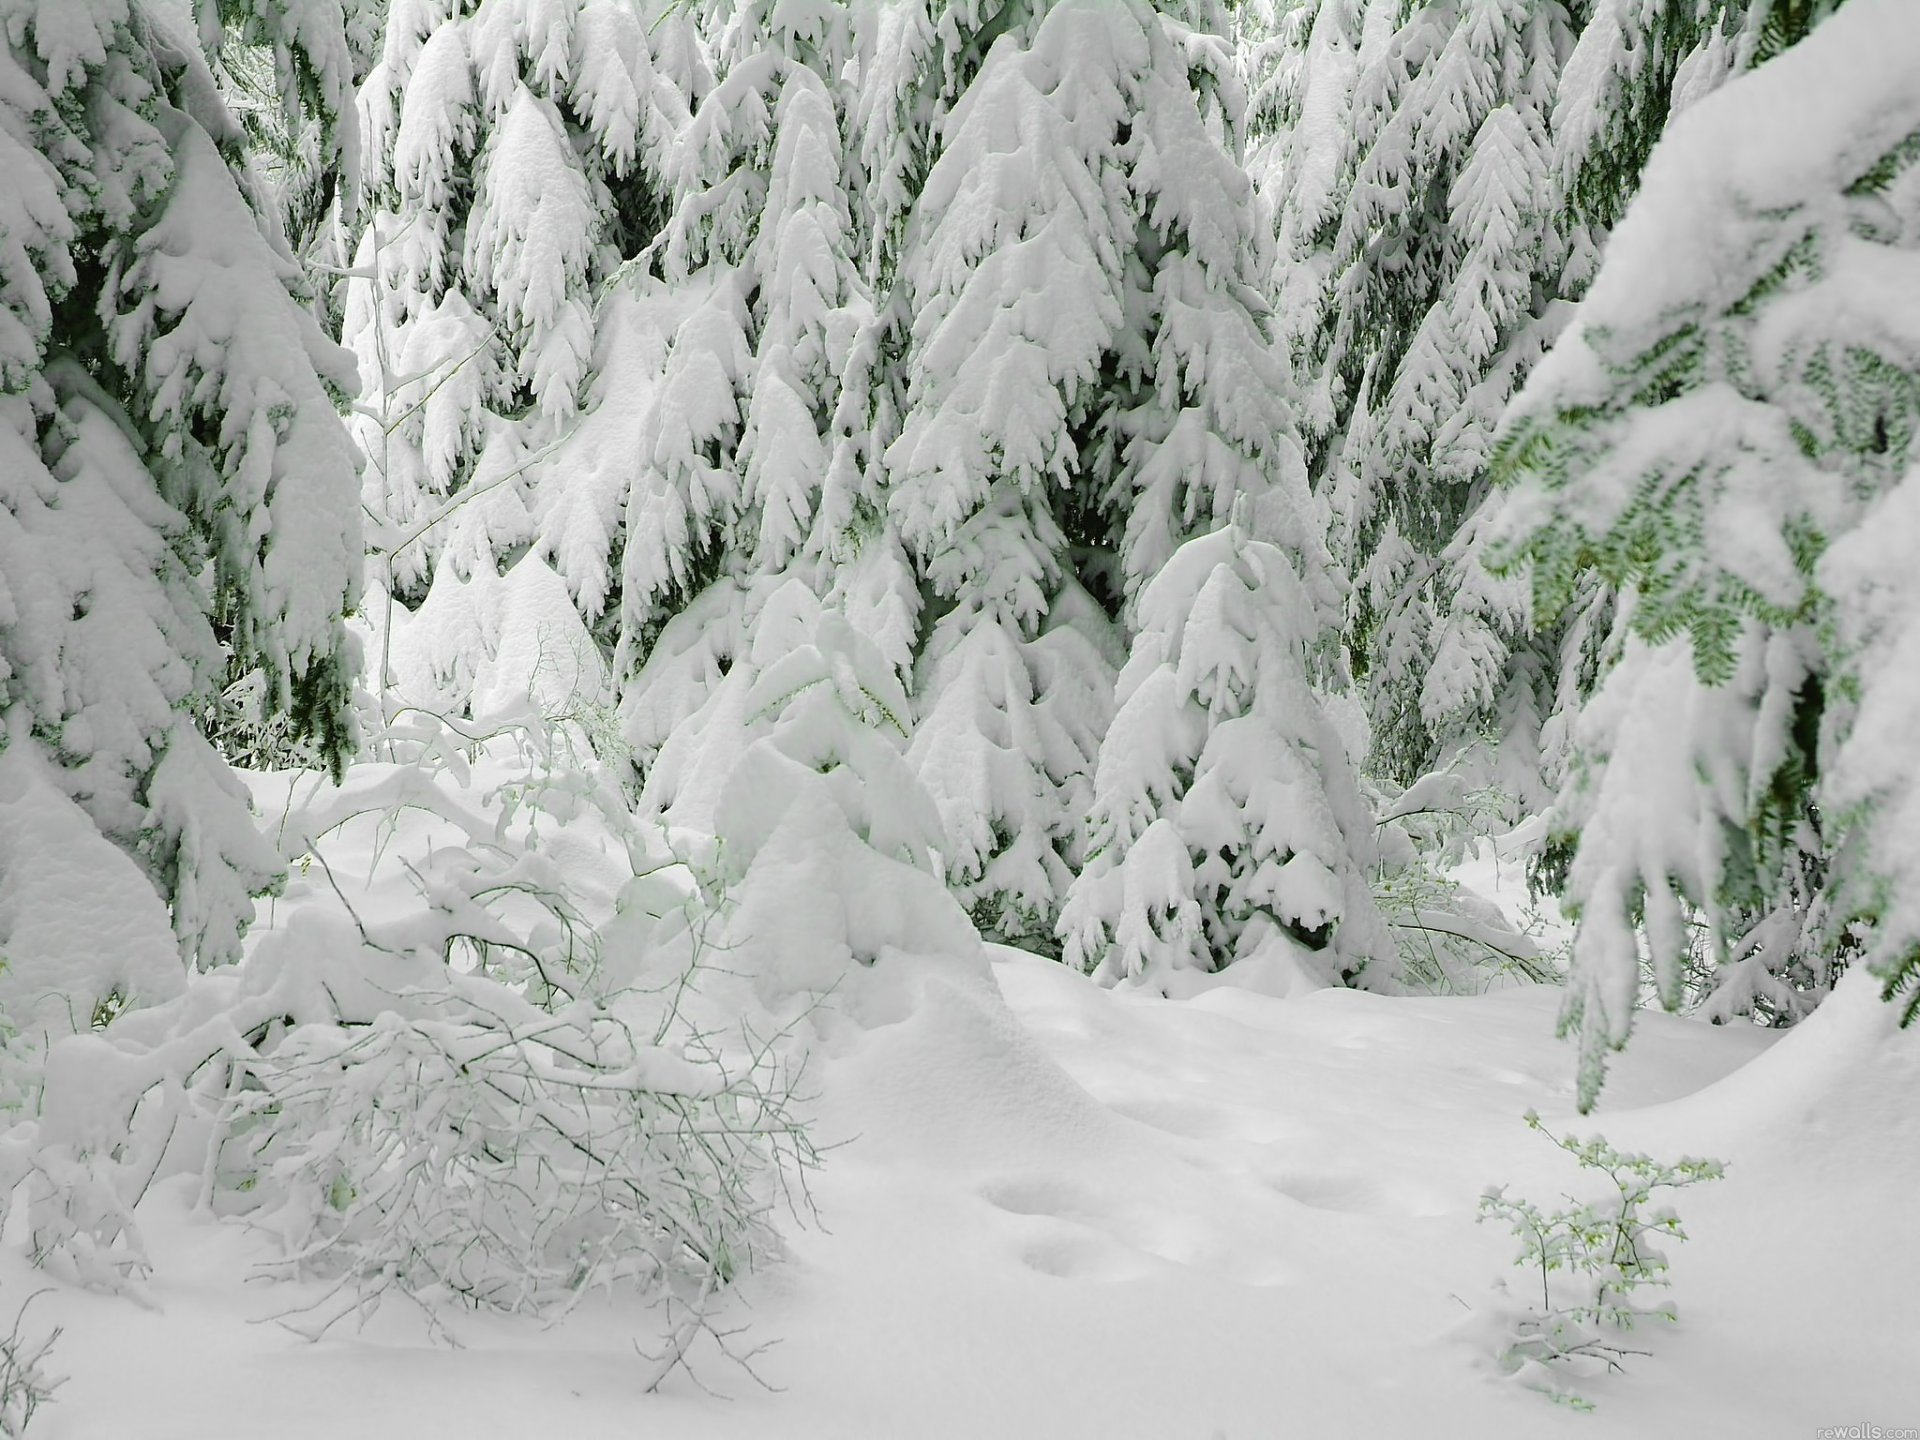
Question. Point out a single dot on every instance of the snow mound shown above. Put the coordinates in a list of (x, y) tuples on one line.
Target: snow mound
[(79, 923)]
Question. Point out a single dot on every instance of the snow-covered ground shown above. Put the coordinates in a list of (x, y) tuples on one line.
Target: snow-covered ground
[(1061, 1211)]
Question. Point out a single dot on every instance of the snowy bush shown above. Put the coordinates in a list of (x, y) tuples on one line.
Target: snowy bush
[(25, 1384), (464, 1083), (1450, 939), (1594, 1261), (462, 1146)]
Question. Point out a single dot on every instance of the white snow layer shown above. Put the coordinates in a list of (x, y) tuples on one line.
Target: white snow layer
[(1063, 1211)]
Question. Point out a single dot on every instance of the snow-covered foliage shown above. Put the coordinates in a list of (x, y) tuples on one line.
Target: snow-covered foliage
[(1026, 182), (1004, 747), (518, 153), (176, 492), (1636, 66), (1593, 1259), (1199, 490), (827, 840), (735, 442), (1226, 819), (1442, 177), (1064, 438), (464, 1084), (693, 482), (1727, 435), (25, 1382), (1453, 938), (811, 304), (289, 73), (82, 927), (1421, 256), (494, 643)]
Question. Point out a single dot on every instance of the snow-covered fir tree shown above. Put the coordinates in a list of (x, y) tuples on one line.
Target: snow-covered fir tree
[(1028, 182), (304, 156), (1057, 441), (1422, 256), (518, 153), (1639, 64), (1488, 151), (826, 840), (694, 482), (1227, 819), (1727, 437), (177, 496)]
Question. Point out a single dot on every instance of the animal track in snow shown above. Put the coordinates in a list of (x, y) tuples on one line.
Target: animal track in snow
[(1074, 1233), (1359, 1194), (1076, 1254), (1064, 1230), (1184, 1118), (1327, 1191), (1039, 1195)]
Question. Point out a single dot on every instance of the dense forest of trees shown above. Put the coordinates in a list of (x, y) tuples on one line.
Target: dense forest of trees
[(1151, 482)]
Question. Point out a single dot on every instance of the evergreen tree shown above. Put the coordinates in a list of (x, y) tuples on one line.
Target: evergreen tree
[(1458, 671), (1305, 60), (1424, 248), (1090, 382), (1014, 284), (696, 476), (305, 157), (1497, 685), (910, 64), (1721, 438), (1637, 64), (826, 840), (1227, 818), (177, 496), (518, 154), (763, 220)]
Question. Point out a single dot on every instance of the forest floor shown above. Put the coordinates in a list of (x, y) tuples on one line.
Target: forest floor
[(1053, 1211)]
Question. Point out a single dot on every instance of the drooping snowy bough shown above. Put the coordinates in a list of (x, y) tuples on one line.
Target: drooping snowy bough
[(1728, 435), (177, 494)]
